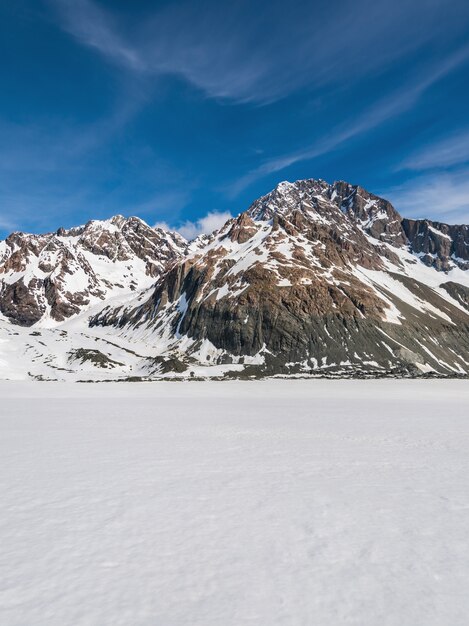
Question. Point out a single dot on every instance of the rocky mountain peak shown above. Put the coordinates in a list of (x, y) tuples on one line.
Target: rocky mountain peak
[(318, 200), (57, 275), (300, 195)]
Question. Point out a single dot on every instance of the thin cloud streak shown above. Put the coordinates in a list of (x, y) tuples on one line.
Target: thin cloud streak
[(47, 202), (7, 224), (453, 150), (443, 197), (54, 144), (224, 51), (51, 188), (96, 28), (381, 112), (47, 170)]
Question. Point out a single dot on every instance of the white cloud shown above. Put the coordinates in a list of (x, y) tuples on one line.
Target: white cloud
[(163, 226), (205, 225)]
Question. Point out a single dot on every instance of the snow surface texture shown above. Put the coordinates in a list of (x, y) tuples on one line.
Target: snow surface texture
[(265, 503)]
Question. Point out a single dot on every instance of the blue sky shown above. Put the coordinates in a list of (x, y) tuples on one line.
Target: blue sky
[(185, 112)]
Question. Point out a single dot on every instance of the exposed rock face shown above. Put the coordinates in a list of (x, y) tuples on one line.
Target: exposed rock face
[(55, 276), (438, 245), (314, 278)]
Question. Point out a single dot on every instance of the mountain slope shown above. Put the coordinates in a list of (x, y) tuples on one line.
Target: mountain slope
[(312, 278), (49, 278)]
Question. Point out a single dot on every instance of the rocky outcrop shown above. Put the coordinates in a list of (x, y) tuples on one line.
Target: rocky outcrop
[(439, 245)]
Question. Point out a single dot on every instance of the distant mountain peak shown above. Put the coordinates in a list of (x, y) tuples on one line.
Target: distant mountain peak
[(58, 275)]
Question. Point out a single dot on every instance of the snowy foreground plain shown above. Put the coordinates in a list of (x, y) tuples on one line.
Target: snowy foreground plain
[(221, 504)]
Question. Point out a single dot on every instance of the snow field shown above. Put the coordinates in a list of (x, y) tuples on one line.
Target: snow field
[(296, 503)]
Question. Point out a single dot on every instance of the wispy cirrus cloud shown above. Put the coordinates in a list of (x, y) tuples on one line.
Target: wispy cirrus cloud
[(97, 29), (47, 175), (7, 224), (447, 152), (70, 155), (232, 52), (44, 204), (56, 143), (377, 114), (441, 196)]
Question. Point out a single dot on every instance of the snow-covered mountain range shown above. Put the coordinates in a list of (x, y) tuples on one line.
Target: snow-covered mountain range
[(48, 278), (313, 279)]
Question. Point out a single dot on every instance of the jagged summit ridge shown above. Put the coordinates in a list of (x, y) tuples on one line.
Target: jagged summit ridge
[(439, 244), (318, 199)]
